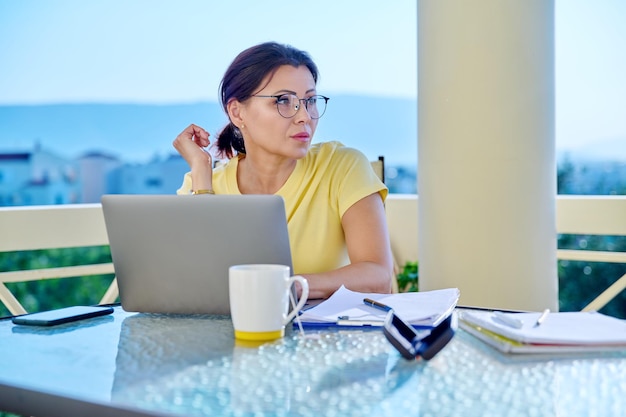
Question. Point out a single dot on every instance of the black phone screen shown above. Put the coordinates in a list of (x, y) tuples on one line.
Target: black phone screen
[(62, 315)]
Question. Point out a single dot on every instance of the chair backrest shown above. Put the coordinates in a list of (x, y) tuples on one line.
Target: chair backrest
[(379, 167)]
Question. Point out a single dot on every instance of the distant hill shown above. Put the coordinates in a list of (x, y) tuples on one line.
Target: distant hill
[(138, 132), (600, 150)]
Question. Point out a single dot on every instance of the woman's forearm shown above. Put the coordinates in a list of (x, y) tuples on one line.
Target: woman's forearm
[(361, 276)]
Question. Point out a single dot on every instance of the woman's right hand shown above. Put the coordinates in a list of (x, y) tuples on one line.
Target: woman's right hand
[(190, 144)]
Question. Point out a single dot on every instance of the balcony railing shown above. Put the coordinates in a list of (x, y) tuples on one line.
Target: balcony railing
[(69, 226)]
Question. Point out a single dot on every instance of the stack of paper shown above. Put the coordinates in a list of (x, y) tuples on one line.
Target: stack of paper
[(559, 332), (346, 308)]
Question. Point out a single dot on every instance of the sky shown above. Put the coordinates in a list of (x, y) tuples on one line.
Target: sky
[(158, 51), (177, 51)]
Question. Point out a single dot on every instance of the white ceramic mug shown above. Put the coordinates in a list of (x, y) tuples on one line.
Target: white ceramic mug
[(259, 300)]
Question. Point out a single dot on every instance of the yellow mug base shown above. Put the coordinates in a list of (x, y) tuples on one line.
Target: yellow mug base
[(276, 334)]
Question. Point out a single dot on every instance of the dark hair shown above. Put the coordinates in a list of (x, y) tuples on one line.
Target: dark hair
[(243, 78)]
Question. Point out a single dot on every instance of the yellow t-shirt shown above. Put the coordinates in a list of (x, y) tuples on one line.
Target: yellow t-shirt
[(323, 185)]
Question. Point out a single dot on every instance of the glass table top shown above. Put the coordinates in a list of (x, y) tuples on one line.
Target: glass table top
[(192, 366)]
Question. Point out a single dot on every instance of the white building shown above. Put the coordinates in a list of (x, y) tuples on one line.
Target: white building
[(155, 177), (94, 170), (37, 177)]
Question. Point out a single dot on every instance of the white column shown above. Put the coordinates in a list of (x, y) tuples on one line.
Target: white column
[(486, 159)]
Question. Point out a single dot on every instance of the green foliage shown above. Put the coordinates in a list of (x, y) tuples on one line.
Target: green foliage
[(56, 293), (581, 282), (408, 278)]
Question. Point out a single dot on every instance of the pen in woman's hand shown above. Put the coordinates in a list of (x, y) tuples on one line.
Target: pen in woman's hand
[(376, 304)]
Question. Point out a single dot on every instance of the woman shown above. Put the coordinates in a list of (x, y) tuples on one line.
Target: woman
[(334, 201)]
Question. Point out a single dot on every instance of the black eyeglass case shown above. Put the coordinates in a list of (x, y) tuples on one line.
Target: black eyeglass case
[(412, 343)]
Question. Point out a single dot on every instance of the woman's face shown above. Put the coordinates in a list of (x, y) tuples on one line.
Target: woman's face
[(265, 129)]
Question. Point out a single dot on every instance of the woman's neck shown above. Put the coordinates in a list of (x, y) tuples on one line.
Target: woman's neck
[(255, 176)]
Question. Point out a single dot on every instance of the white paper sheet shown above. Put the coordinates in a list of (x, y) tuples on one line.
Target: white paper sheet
[(426, 308)]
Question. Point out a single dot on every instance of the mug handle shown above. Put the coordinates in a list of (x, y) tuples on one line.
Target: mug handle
[(303, 298)]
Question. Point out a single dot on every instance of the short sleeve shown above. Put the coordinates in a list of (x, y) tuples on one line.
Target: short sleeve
[(357, 178)]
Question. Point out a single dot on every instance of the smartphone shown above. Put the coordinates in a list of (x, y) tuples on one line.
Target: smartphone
[(62, 315)]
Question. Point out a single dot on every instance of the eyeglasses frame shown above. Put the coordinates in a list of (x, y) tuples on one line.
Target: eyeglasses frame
[(300, 100)]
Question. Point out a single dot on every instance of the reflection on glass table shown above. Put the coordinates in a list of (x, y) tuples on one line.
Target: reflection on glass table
[(192, 366)]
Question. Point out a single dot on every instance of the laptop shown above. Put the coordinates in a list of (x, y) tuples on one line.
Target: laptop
[(171, 253)]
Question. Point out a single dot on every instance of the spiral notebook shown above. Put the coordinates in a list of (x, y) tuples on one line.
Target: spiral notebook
[(568, 332)]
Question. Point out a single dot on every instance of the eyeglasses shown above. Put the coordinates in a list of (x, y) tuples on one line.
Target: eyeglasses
[(289, 104)]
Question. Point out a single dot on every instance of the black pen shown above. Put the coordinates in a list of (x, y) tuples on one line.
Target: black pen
[(376, 304)]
